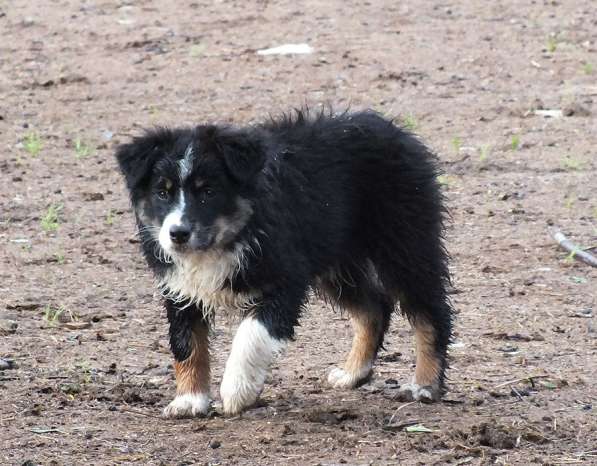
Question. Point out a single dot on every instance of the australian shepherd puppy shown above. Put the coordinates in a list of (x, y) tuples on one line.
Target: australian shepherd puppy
[(246, 221)]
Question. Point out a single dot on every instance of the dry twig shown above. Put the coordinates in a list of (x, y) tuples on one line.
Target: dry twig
[(530, 377), (134, 411), (576, 251), (398, 409)]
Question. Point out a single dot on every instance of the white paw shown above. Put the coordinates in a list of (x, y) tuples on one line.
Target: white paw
[(415, 392), (253, 350), (188, 405), (240, 390), (340, 378)]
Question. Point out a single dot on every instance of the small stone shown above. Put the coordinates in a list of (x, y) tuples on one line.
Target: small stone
[(576, 109), (215, 444), (93, 197), (6, 364), (70, 388), (8, 326), (287, 430)]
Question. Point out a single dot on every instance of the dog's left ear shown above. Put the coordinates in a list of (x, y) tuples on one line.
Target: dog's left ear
[(244, 154), (136, 159)]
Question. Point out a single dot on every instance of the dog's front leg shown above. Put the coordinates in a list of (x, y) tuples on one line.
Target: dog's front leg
[(189, 341), (259, 338)]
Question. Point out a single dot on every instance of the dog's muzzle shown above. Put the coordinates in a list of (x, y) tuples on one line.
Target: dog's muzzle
[(180, 234)]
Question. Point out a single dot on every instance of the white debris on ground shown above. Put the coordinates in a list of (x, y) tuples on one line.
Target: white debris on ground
[(550, 113), (287, 49)]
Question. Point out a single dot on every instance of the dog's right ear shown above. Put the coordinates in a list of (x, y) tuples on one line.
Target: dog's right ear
[(136, 158)]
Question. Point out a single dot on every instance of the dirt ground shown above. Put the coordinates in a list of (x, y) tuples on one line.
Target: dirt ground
[(85, 368)]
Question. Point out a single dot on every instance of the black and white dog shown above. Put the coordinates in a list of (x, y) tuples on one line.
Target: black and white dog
[(248, 220)]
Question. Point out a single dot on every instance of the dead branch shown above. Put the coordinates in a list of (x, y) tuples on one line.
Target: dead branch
[(576, 251)]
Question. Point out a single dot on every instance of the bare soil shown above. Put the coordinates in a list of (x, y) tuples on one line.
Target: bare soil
[(85, 367)]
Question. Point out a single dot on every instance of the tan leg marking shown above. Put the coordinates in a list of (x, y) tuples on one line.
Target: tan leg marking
[(192, 374), (360, 359), (192, 379), (425, 386), (428, 364), (364, 342)]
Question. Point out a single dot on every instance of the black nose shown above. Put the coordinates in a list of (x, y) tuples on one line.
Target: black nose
[(180, 234)]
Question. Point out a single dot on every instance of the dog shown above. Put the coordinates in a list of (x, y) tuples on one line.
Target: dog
[(248, 220)]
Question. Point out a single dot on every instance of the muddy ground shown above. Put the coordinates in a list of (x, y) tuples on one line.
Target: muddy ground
[(85, 367)]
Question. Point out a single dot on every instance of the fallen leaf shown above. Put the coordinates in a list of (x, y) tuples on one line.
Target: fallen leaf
[(419, 428), (548, 384)]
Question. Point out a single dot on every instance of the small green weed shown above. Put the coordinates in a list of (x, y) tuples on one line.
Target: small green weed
[(588, 68), (515, 143), (82, 149), (197, 50), (52, 314), (444, 180), (50, 222), (578, 280), (60, 258), (110, 216), (457, 144), (87, 371), (571, 163), (409, 122), (484, 152), (32, 144), (552, 44)]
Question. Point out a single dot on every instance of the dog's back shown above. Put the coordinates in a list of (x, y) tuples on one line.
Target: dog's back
[(371, 223)]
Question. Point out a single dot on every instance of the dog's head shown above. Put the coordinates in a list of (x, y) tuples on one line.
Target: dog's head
[(191, 188)]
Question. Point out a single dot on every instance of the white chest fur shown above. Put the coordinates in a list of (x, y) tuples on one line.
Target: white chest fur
[(201, 278)]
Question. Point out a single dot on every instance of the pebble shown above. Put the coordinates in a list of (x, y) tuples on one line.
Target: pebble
[(6, 364), (8, 326)]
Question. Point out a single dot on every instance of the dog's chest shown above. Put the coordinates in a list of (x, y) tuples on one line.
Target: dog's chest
[(203, 279)]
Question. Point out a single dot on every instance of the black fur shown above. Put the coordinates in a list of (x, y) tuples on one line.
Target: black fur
[(183, 318), (348, 204)]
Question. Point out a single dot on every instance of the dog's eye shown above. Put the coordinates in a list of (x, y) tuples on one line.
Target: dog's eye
[(163, 188), (163, 194), (206, 192)]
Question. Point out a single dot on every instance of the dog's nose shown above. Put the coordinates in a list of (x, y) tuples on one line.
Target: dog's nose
[(180, 234)]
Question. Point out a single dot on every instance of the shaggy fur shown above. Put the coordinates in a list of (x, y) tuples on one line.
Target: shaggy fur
[(248, 220)]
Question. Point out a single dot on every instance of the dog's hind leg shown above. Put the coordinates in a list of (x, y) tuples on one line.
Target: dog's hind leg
[(370, 311), (432, 324), (189, 341)]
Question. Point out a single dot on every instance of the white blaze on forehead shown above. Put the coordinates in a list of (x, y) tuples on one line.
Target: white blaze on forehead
[(174, 218), (185, 165)]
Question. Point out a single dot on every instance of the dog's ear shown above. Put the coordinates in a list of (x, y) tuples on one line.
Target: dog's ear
[(136, 159), (244, 154)]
